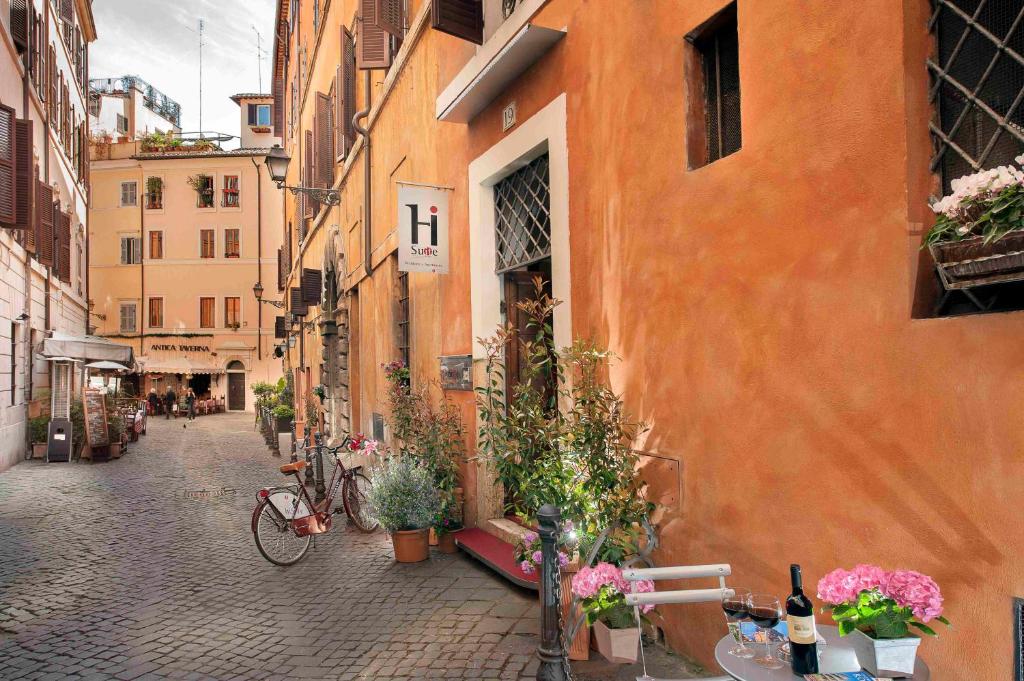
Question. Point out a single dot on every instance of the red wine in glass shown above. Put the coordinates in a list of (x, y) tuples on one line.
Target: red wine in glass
[(735, 610), (765, 618)]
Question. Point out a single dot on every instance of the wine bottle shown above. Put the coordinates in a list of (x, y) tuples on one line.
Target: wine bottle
[(803, 635)]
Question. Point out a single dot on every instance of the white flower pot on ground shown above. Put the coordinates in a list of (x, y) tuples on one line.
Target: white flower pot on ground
[(617, 645), (892, 657)]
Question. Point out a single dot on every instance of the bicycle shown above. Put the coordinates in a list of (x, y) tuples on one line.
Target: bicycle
[(286, 518)]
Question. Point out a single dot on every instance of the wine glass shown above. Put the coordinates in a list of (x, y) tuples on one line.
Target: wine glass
[(734, 603), (765, 612)]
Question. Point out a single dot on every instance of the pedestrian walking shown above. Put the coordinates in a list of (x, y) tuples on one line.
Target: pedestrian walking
[(170, 400), (190, 403), (154, 401)]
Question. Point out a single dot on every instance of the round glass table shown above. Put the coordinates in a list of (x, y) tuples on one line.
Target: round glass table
[(837, 656)]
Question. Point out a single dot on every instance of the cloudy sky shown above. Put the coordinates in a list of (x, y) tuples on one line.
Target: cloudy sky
[(159, 42)]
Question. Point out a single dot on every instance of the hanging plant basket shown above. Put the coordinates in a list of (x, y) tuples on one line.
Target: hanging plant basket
[(972, 262)]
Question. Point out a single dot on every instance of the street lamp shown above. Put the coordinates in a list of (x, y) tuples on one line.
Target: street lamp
[(257, 290), (277, 160)]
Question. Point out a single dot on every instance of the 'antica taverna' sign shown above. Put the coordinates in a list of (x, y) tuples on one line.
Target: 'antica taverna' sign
[(181, 348)]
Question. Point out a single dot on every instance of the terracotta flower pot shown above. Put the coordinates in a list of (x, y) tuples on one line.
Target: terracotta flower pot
[(446, 542), (432, 537), (617, 645), (579, 647), (411, 546), (39, 450), (115, 450)]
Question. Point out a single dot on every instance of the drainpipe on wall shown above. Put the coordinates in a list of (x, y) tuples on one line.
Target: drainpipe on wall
[(367, 212), (142, 258), (259, 257)]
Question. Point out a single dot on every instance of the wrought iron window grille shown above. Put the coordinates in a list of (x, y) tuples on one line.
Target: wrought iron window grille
[(977, 85), (522, 209)]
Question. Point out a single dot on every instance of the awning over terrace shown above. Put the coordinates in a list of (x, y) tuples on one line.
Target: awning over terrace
[(86, 348), (177, 365)]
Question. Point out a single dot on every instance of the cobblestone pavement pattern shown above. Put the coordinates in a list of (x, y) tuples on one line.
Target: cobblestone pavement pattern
[(108, 571)]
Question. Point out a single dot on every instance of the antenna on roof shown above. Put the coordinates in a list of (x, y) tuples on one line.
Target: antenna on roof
[(202, 27), (259, 57)]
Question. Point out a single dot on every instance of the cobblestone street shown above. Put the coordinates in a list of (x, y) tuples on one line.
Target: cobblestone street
[(108, 570)]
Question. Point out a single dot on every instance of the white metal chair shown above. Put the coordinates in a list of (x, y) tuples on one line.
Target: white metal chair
[(635, 599)]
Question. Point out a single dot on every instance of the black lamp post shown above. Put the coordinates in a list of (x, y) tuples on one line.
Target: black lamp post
[(257, 290)]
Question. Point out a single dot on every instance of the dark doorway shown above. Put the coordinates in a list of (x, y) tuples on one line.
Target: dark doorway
[(236, 386), (520, 286), (200, 384)]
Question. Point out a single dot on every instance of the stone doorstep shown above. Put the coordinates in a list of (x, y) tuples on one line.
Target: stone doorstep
[(505, 530)]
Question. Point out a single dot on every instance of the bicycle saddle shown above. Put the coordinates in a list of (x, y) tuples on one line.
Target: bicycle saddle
[(293, 467)]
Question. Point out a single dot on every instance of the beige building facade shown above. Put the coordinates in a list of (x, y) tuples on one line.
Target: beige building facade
[(44, 200), (181, 235)]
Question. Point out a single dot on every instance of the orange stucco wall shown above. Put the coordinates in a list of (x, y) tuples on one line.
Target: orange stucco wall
[(763, 305)]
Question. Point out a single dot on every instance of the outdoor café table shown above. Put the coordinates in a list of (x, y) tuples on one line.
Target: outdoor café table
[(838, 656)]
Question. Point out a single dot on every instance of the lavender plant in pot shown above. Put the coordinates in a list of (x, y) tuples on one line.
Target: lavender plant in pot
[(405, 502)]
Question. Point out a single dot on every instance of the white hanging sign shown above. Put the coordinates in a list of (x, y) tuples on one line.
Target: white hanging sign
[(422, 228)]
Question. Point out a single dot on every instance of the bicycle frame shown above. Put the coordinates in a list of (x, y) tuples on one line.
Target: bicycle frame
[(318, 520)]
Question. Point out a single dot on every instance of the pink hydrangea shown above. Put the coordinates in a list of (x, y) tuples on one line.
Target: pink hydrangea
[(916, 591), (589, 581), (529, 538), (844, 586), (526, 567), (537, 557)]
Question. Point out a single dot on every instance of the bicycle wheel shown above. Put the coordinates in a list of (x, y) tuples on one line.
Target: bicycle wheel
[(356, 506), (275, 538)]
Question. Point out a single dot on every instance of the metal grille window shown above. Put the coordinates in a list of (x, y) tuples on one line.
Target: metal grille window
[(718, 45), (402, 327), (522, 210), (977, 85)]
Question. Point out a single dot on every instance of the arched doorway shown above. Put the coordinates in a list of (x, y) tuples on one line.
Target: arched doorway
[(236, 385)]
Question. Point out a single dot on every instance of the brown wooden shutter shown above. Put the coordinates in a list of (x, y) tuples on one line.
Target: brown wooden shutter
[(374, 42), (280, 331), (280, 269), (390, 17), (8, 164), (24, 177), (338, 115), (279, 107), (20, 24), (324, 141), (460, 18), (298, 306), (348, 89), (64, 247), (67, 11), (311, 206), (312, 285), (44, 223)]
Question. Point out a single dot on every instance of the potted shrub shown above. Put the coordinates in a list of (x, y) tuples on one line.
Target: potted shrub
[(284, 415), (602, 592), (405, 502), (39, 432), (115, 430), (877, 608), (446, 524), (978, 236)]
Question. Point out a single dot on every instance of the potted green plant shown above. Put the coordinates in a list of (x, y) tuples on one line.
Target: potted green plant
[(39, 432), (602, 590), (447, 522), (877, 608), (284, 415), (405, 502), (115, 430)]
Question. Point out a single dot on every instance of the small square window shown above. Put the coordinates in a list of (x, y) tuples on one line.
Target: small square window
[(129, 194)]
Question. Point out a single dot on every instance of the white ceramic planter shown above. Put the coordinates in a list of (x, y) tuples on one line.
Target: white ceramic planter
[(893, 657), (617, 645)]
